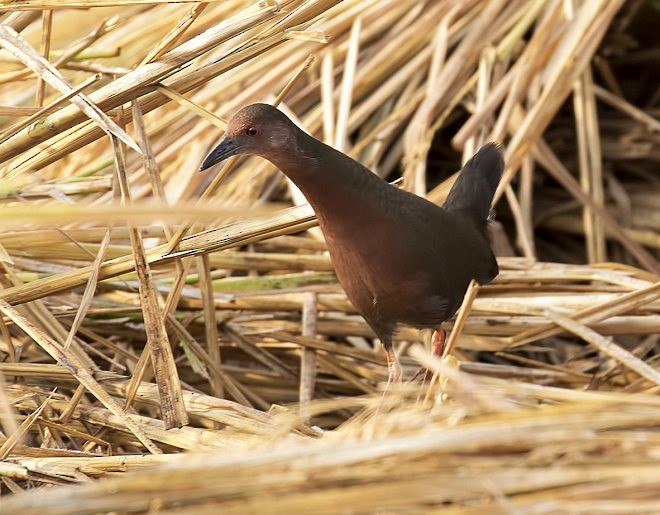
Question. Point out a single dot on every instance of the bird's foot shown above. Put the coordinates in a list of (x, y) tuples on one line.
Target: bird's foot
[(393, 367), (393, 374)]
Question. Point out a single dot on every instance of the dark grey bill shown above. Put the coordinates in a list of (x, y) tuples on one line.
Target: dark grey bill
[(225, 149)]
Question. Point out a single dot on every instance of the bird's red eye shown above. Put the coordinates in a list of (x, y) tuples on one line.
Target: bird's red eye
[(251, 131)]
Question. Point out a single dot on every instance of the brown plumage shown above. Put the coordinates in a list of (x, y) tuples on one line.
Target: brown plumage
[(400, 258)]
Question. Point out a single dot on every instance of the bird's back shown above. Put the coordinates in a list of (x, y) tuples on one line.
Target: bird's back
[(405, 258), (468, 205)]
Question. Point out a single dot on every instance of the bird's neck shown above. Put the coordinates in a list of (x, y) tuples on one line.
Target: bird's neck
[(328, 178)]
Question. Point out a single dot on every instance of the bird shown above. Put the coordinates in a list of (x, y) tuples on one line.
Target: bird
[(401, 259)]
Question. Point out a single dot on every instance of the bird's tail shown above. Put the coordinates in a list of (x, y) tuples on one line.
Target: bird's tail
[(472, 193)]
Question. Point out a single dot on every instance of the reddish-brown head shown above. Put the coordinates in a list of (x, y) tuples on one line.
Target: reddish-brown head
[(258, 129)]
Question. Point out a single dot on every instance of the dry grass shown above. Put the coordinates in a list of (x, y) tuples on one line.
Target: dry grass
[(149, 309)]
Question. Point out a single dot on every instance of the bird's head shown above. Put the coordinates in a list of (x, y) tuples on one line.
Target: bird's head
[(258, 129)]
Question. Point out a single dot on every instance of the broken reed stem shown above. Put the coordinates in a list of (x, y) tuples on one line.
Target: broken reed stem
[(165, 370), (308, 357), (461, 317), (79, 370), (607, 346)]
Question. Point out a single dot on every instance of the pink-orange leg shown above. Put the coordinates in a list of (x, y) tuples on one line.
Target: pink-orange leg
[(437, 348), (393, 367)]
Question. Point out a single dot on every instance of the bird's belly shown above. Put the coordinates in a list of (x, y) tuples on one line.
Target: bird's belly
[(392, 290)]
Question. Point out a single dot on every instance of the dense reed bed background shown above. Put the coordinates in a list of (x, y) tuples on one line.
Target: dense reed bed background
[(177, 342)]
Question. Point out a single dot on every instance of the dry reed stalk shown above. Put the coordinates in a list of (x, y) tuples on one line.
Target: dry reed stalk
[(542, 409), (507, 449)]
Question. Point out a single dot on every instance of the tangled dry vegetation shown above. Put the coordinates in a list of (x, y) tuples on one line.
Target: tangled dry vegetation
[(176, 342)]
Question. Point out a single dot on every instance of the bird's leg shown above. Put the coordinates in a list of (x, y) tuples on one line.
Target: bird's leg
[(393, 366), (437, 348), (393, 372), (438, 342)]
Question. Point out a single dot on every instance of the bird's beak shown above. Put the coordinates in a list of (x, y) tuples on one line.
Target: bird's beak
[(226, 148)]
